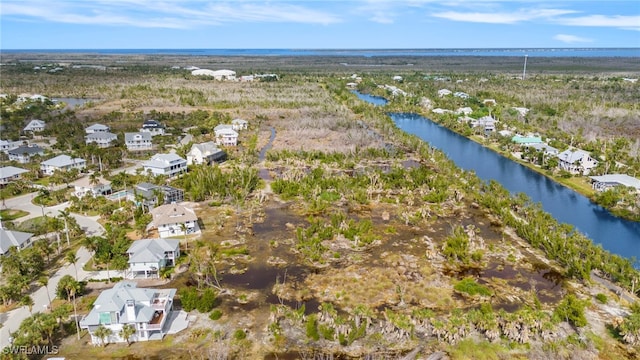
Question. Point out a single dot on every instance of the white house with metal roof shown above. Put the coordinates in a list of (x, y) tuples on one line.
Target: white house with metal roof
[(6, 145), (148, 256), (226, 136), (147, 310), (239, 124), (101, 139), (35, 126), (205, 153), (18, 239), (10, 173), (169, 219), (153, 127), (95, 128), (138, 141), (608, 181), (62, 163), (576, 161), (165, 164)]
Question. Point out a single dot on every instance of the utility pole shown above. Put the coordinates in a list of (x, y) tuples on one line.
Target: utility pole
[(524, 71)]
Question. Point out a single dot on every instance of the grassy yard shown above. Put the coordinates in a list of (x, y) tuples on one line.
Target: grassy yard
[(12, 214)]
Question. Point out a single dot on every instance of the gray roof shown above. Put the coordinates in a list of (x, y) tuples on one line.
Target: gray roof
[(621, 179), (34, 124), (163, 160), (115, 299), (9, 171), (102, 135), (62, 160), (223, 126), (10, 238), (172, 214), (544, 147), (131, 136), (152, 124), (572, 156), (26, 149), (97, 127), (151, 250)]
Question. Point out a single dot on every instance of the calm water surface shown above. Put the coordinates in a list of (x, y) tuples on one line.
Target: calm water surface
[(617, 235)]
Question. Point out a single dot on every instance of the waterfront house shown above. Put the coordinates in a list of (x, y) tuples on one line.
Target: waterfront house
[(226, 136), (138, 141), (526, 140), (62, 163), (95, 128), (10, 173), (147, 310), (153, 127), (169, 219), (545, 148), (87, 186), (576, 162), (608, 181), (165, 164), (101, 139), (239, 124), (148, 256), (23, 153), (205, 153), (487, 123), (35, 126)]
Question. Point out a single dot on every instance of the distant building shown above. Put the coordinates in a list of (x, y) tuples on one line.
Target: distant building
[(170, 219), (35, 126), (148, 256), (9, 174), (152, 195), (444, 92), (6, 145), (18, 239), (205, 153), (95, 128), (217, 74), (23, 154), (165, 164), (153, 127), (526, 140), (62, 163), (101, 139), (226, 136), (85, 186), (138, 141), (239, 124), (487, 123), (576, 162)]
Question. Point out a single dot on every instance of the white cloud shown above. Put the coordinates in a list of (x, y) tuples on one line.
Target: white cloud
[(164, 14), (571, 39), (618, 21), (501, 17)]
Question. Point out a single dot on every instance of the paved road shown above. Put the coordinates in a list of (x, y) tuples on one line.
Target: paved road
[(11, 320)]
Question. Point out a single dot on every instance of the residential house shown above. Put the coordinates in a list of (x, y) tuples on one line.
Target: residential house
[(87, 186), (6, 145), (138, 141), (239, 124), (464, 110), (153, 127), (10, 173), (608, 181), (148, 256), (487, 123), (523, 111), (101, 139), (216, 74), (169, 219), (150, 195), (147, 310), (545, 148), (461, 95), (18, 239), (95, 128), (165, 164), (441, 111), (226, 136), (489, 102), (205, 153), (397, 78), (24, 153), (62, 163), (576, 162), (526, 140), (35, 126)]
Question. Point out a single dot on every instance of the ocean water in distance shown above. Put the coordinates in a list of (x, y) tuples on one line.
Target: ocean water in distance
[(533, 52)]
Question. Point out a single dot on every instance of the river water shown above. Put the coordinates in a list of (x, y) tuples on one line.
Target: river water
[(616, 235)]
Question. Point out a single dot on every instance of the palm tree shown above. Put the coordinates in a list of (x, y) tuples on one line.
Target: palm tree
[(127, 331), (102, 333), (71, 258), (27, 301), (183, 228), (65, 215), (44, 281)]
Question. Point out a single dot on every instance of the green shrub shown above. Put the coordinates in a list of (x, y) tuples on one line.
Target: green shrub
[(312, 327), (239, 334), (471, 287), (602, 298)]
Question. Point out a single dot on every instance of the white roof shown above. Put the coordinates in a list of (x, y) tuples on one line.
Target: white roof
[(97, 127), (222, 126), (572, 156), (34, 124), (12, 238), (8, 171), (226, 131), (102, 135), (621, 179), (162, 160), (62, 160), (239, 121), (131, 136)]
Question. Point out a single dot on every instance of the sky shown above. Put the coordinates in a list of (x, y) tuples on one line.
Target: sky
[(315, 24)]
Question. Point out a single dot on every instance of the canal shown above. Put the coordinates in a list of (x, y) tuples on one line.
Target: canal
[(616, 235)]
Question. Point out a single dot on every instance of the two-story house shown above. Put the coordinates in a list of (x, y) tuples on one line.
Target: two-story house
[(174, 220), (10, 173), (205, 153), (95, 128), (153, 127), (101, 139), (62, 163), (147, 310), (35, 126), (148, 256), (165, 164), (23, 154), (138, 141), (576, 162), (226, 136)]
